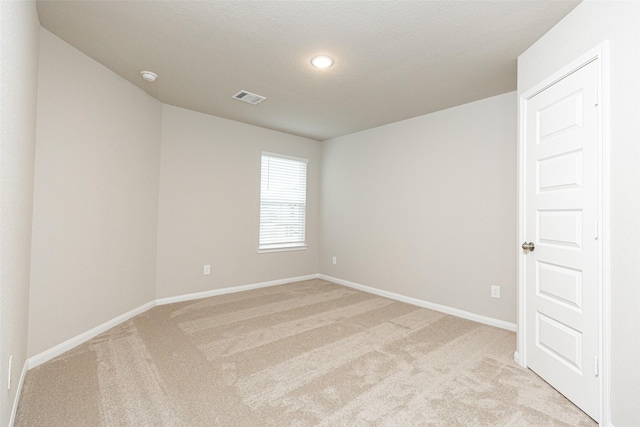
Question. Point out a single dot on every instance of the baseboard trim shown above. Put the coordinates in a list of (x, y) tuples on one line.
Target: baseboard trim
[(69, 344), (16, 400), (425, 304), (233, 289), (516, 357)]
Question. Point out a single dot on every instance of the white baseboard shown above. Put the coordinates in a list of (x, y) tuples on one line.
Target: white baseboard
[(16, 400), (233, 289), (425, 304), (69, 344), (56, 351), (516, 357)]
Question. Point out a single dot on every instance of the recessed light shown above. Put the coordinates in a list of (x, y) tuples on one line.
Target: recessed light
[(148, 76), (322, 61)]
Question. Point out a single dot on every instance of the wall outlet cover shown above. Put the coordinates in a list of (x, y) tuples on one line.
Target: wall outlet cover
[(495, 291)]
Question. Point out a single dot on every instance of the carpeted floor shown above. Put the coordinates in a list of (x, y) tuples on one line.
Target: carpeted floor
[(308, 353)]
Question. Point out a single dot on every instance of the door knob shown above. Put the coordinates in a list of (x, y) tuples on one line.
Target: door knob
[(528, 246)]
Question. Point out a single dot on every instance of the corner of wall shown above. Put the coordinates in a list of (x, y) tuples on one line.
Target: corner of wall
[(19, 44)]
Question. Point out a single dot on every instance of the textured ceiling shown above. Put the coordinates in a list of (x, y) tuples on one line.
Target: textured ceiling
[(393, 60)]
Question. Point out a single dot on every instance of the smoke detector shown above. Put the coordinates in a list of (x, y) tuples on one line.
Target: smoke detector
[(148, 76), (249, 97)]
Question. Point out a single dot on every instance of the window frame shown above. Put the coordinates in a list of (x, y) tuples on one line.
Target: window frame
[(289, 246)]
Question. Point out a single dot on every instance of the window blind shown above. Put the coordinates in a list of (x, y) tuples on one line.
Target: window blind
[(283, 202)]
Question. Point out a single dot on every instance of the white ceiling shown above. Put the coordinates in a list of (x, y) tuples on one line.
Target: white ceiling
[(393, 59)]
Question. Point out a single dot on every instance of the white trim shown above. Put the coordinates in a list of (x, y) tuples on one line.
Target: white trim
[(516, 357), (16, 399), (521, 233), (425, 304), (605, 289), (600, 52), (57, 350), (232, 289), (285, 156), (301, 247)]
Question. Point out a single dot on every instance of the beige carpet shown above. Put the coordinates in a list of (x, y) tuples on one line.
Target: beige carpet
[(308, 353)]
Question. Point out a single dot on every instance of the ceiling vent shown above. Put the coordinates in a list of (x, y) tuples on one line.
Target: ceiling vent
[(249, 97)]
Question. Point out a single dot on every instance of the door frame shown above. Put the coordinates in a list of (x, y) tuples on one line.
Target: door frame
[(601, 53)]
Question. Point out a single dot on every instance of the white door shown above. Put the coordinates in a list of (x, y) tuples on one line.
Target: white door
[(562, 214)]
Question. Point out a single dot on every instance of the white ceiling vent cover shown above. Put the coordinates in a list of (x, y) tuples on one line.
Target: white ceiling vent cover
[(249, 97)]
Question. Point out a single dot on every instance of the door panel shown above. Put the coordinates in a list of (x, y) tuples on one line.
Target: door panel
[(560, 341), (561, 284), (561, 172), (560, 227), (563, 115), (562, 146)]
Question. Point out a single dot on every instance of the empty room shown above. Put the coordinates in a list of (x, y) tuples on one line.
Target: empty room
[(339, 213)]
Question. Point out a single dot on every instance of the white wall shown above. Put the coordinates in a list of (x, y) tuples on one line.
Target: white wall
[(96, 196), (426, 207), (209, 204), (586, 26), (19, 38)]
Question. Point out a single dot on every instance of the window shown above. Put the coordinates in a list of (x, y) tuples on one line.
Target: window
[(283, 203)]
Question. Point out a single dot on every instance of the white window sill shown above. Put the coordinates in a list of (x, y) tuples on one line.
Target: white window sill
[(282, 249)]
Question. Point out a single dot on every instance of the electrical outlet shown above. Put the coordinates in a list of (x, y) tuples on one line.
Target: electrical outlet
[(495, 291), (334, 260), (9, 373), (207, 269)]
